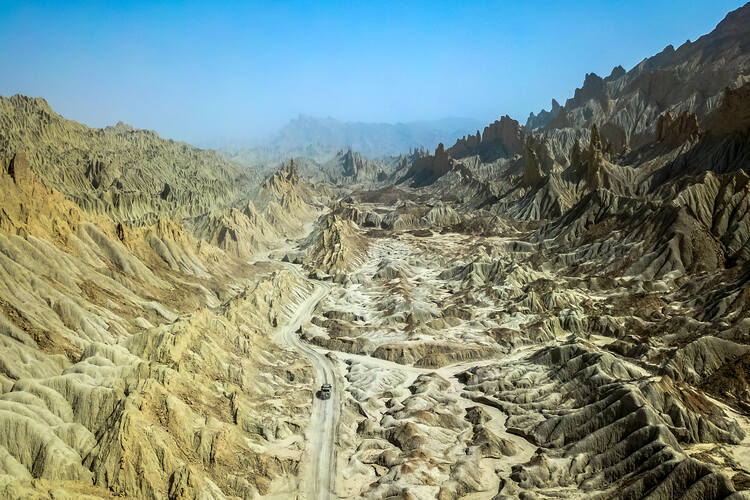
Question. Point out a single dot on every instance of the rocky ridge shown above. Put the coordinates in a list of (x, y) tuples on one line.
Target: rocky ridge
[(126, 174)]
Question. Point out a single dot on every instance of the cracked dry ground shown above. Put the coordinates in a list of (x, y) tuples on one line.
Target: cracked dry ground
[(471, 370)]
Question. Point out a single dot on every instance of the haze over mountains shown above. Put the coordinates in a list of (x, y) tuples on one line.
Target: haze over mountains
[(320, 138), (559, 309)]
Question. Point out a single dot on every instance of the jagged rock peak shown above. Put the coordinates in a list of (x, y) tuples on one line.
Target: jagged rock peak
[(289, 172), (120, 128), (353, 163), (544, 117), (617, 72), (595, 143), (503, 138), (282, 180), (28, 103), (351, 158), (594, 88), (426, 169), (506, 130)]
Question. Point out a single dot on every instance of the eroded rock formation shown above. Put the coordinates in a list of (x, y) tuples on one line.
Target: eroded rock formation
[(560, 310)]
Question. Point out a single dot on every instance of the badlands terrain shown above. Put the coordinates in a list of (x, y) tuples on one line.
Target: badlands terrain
[(559, 309)]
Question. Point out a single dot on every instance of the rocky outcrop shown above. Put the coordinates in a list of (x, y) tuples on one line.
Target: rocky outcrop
[(733, 115), (427, 169), (721, 147), (677, 129), (502, 139), (592, 160), (532, 172), (358, 168), (537, 121), (335, 247)]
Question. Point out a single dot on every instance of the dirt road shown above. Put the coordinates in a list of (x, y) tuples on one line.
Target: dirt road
[(321, 471)]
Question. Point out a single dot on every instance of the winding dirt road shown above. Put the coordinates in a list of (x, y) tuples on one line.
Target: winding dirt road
[(321, 450)]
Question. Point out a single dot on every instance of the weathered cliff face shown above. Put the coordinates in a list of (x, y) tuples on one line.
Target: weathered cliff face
[(677, 129), (360, 169), (733, 115), (127, 174), (532, 172), (592, 161)]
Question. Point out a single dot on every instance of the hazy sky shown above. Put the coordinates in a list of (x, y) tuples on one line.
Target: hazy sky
[(204, 72)]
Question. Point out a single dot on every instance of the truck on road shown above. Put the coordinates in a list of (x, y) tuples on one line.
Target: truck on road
[(325, 391)]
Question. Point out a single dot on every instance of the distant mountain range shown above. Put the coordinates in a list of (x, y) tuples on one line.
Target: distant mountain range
[(322, 138)]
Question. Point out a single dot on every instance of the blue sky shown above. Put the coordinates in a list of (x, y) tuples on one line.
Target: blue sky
[(206, 72)]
